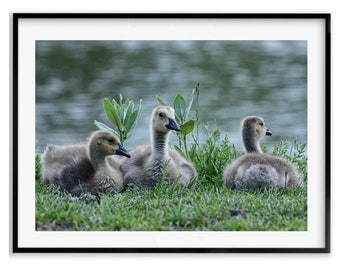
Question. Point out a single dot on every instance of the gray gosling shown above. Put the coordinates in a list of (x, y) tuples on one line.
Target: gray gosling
[(149, 164), (256, 170), (83, 167)]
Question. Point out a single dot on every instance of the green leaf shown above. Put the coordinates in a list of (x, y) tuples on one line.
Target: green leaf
[(111, 110), (123, 112), (128, 110), (108, 110), (131, 121), (179, 106), (115, 104), (160, 101), (104, 127), (187, 127), (188, 108), (132, 118), (120, 99)]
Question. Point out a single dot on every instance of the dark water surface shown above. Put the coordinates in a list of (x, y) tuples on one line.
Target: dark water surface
[(237, 78)]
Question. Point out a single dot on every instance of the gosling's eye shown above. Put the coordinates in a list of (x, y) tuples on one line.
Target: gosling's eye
[(261, 124), (110, 140), (161, 115)]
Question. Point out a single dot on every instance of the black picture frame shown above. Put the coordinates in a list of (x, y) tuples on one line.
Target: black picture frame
[(16, 91)]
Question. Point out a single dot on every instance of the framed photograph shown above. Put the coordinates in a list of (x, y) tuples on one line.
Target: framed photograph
[(76, 73)]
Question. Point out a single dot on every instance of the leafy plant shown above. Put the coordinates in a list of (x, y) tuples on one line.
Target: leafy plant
[(182, 112), (212, 156), (121, 115), (37, 167), (296, 153)]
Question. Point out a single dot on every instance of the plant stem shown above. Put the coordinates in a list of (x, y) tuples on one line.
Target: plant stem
[(186, 147)]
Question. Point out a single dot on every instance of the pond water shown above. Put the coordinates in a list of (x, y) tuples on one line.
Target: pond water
[(237, 78)]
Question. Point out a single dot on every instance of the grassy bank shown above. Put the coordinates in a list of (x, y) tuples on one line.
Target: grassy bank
[(207, 204)]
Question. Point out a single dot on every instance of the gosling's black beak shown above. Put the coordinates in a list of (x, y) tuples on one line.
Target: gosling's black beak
[(122, 151), (268, 132), (172, 125)]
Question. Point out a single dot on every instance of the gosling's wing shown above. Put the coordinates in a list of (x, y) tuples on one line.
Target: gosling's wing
[(182, 163), (182, 168)]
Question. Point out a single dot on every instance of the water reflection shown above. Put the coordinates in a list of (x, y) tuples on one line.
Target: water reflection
[(237, 78)]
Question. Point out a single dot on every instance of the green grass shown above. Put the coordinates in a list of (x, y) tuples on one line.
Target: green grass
[(206, 205)]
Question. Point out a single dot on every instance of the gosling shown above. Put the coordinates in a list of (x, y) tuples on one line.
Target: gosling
[(256, 170), (149, 164), (83, 167)]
